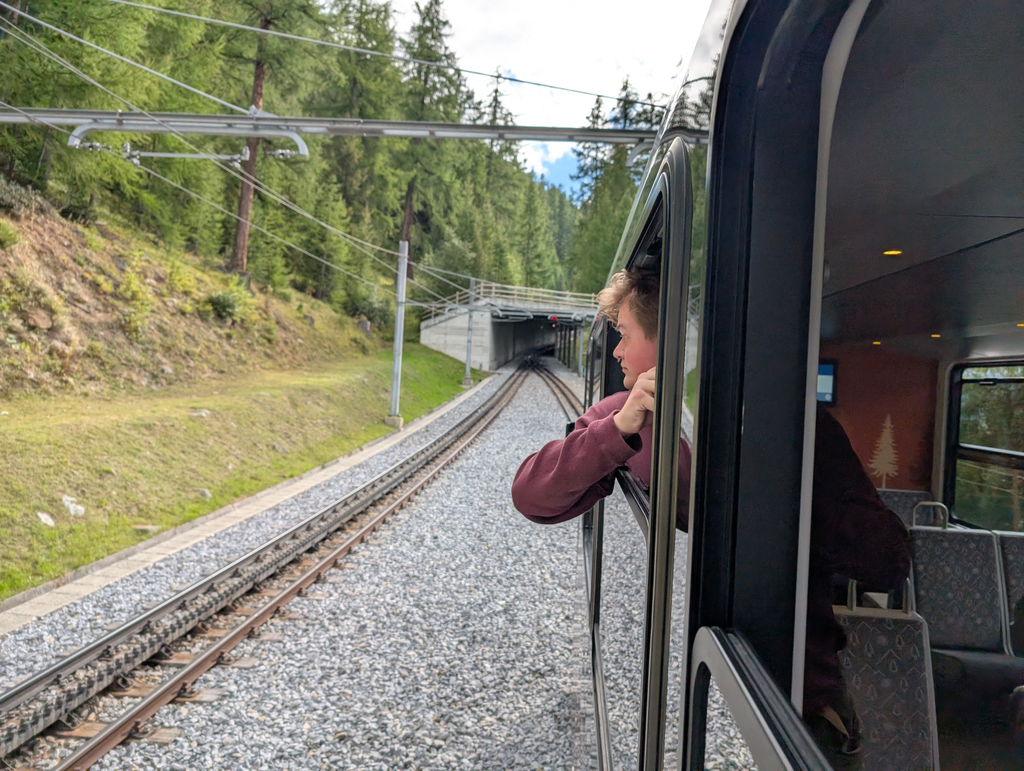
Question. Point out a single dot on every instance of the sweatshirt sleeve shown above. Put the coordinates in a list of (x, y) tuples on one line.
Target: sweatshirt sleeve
[(568, 476), (852, 532)]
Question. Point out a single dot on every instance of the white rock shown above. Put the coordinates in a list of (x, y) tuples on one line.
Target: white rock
[(45, 518), (200, 413), (73, 508)]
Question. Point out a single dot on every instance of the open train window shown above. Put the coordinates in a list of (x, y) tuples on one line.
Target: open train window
[(987, 456)]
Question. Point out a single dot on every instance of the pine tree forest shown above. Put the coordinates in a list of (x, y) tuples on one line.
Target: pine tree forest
[(467, 206)]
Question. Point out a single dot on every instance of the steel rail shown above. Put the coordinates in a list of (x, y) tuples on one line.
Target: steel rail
[(570, 403), (131, 720), (243, 570)]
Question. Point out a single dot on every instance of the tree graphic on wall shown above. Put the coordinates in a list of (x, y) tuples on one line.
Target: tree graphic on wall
[(883, 461)]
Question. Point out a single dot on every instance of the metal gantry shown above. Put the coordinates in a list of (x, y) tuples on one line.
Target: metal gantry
[(258, 123), (266, 125)]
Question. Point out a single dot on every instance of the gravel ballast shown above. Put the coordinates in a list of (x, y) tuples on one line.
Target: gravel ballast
[(450, 643), (34, 646), (453, 639)]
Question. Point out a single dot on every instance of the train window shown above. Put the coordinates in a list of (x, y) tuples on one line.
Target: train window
[(724, 747), (989, 475), (623, 586)]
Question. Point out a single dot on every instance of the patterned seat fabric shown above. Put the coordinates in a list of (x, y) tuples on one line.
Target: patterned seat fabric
[(887, 669), (902, 502), (1012, 547), (958, 588)]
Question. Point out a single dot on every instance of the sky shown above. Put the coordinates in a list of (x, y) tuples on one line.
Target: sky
[(591, 46)]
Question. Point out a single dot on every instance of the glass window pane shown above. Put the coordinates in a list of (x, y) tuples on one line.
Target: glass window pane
[(992, 415), (724, 747), (975, 373), (623, 589), (989, 496)]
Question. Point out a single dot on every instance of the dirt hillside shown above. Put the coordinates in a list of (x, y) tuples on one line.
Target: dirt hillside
[(96, 309)]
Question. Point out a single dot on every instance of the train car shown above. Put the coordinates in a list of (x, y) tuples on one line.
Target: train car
[(854, 238)]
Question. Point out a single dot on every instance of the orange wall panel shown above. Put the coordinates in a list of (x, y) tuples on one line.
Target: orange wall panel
[(886, 402)]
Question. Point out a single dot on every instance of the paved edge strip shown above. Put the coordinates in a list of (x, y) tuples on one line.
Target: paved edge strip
[(25, 607)]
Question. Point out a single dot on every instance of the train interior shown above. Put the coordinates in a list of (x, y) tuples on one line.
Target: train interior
[(922, 361)]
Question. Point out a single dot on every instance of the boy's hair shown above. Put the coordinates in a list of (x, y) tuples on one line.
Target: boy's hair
[(641, 289)]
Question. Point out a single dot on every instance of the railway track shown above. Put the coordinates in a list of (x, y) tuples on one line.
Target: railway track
[(570, 403), (213, 615)]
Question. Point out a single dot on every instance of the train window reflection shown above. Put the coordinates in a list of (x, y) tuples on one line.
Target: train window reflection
[(623, 588), (724, 747), (989, 483)]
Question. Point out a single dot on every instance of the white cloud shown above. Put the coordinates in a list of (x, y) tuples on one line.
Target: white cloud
[(587, 46), (537, 156)]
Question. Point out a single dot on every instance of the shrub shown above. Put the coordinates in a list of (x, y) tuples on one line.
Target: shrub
[(19, 200), (179, 279), (234, 304), (370, 306), (92, 240), (9, 236), (140, 303), (224, 305)]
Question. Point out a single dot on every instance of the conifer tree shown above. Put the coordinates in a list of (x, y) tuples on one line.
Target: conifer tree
[(600, 223), (590, 156), (536, 243)]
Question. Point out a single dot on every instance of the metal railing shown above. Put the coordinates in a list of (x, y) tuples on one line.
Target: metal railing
[(487, 292)]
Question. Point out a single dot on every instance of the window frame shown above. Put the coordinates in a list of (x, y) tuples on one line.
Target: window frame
[(954, 450)]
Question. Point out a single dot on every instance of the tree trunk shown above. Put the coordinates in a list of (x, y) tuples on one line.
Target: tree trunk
[(407, 219), (14, 11), (249, 168)]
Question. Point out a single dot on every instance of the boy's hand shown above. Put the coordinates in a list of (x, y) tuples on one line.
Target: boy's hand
[(638, 411)]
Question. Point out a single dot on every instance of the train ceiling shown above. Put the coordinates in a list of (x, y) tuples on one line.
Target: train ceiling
[(927, 160)]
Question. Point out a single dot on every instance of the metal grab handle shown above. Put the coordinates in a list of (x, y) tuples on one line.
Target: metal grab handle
[(851, 595), (931, 505)]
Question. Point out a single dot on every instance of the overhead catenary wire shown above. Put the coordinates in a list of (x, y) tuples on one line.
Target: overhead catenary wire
[(28, 40), (216, 206), (371, 52), (83, 41), (42, 48)]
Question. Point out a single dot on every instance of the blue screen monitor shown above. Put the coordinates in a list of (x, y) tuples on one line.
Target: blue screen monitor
[(827, 382)]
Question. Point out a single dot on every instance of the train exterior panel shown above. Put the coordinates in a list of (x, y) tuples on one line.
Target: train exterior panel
[(860, 203)]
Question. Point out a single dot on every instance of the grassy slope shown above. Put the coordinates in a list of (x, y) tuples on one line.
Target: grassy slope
[(144, 459), (109, 342)]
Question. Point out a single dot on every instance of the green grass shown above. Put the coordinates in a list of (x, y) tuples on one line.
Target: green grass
[(9, 236), (143, 459), (691, 392)]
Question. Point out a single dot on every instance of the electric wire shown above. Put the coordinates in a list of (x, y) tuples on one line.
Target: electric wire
[(28, 40), (168, 78), (216, 206), (42, 48), (371, 52)]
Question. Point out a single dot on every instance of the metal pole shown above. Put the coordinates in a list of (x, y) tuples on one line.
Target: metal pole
[(394, 418), (467, 379), (579, 352)]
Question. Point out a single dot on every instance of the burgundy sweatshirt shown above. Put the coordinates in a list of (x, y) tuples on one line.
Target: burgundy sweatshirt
[(568, 476), (853, 534)]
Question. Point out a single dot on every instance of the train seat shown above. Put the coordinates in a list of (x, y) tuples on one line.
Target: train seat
[(902, 502), (960, 590), (1011, 546), (887, 671)]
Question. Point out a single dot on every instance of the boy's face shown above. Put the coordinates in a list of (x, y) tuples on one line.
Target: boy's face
[(636, 354)]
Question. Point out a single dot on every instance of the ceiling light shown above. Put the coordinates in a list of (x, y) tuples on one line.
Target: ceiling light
[(893, 252), (936, 335)]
